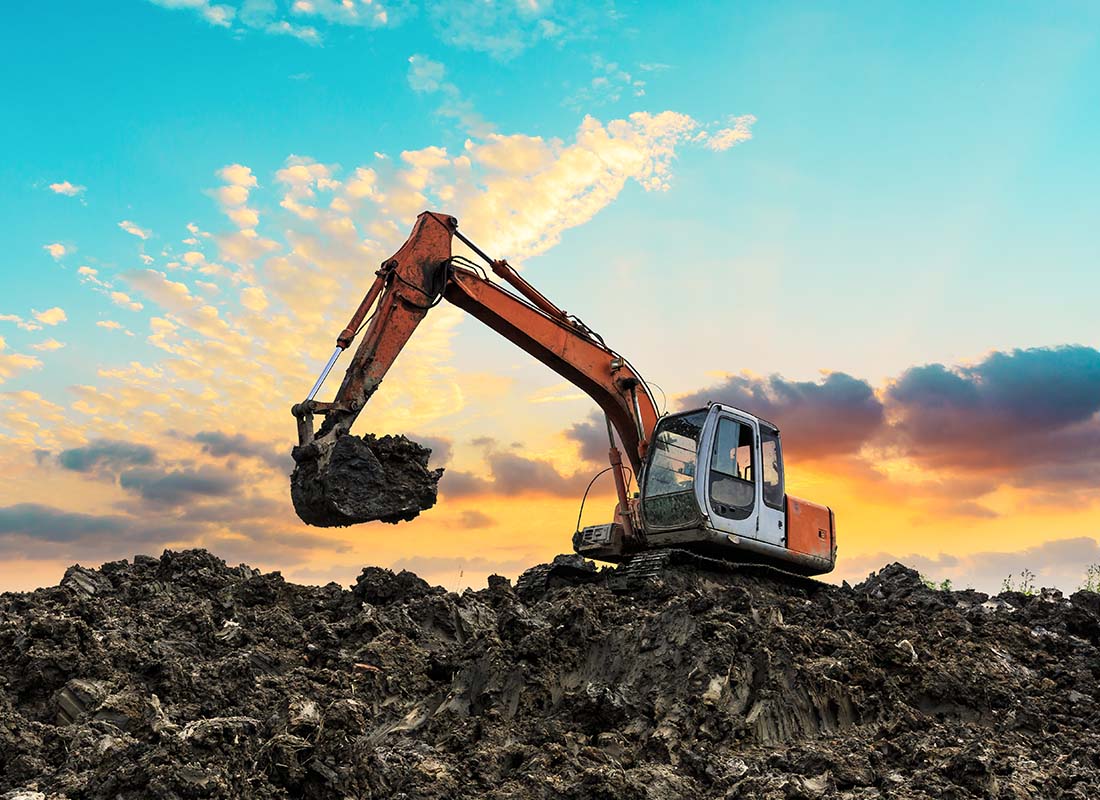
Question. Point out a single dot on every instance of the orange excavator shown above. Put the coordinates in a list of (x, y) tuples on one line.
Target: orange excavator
[(710, 481)]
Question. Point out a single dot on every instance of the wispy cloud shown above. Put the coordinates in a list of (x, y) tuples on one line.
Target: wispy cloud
[(66, 188), (57, 250), (427, 76), (610, 83), (500, 28), (134, 229), (22, 324), (11, 364), (739, 130), (124, 300), (48, 345), (51, 316)]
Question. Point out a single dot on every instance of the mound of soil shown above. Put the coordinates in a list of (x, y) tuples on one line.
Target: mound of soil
[(182, 677), (363, 479)]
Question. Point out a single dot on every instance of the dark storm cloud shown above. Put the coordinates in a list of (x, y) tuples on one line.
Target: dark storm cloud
[(222, 445), (54, 525), (441, 448), (823, 419), (31, 530), (591, 435), (511, 474), (1030, 415), (106, 455), (473, 519), (163, 487)]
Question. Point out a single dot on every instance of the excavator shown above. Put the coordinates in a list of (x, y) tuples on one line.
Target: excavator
[(709, 481)]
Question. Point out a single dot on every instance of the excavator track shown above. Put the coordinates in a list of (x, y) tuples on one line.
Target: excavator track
[(641, 570), (566, 569)]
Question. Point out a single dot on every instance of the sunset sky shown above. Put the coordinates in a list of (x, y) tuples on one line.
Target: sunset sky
[(872, 223)]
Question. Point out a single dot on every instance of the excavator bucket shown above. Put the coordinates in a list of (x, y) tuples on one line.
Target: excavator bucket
[(357, 479)]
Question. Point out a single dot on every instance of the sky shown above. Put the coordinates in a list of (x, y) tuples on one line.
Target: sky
[(872, 223)]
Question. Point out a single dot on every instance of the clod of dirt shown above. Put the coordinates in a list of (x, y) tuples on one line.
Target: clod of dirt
[(182, 677), (364, 479)]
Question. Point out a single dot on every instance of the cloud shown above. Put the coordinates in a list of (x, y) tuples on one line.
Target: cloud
[(217, 14), (818, 419), (21, 323), (106, 456), (222, 445), (1028, 417), (123, 299), (66, 188), (511, 474), (609, 84), (1059, 563), (57, 250), (281, 19), (473, 519), (48, 345), (442, 448), (53, 525), (110, 325), (253, 298), (133, 229), (740, 130), (51, 316), (11, 364), (233, 196), (502, 28), (175, 487), (427, 76), (591, 435)]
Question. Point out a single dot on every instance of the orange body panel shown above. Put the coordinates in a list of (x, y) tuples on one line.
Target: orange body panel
[(810, 528)]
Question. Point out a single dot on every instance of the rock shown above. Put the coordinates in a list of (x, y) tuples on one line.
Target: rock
[(363, 479), (85, 581), (78, 698)]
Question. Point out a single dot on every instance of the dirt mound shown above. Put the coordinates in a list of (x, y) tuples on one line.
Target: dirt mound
[(363, 479), (182, 677)]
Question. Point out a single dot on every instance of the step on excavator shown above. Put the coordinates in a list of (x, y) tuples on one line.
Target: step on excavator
[(710, 481)]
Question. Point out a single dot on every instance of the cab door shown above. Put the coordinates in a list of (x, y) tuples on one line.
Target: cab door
[(732, 493), (773, 508)]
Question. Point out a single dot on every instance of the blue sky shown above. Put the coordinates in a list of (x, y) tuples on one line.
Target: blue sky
[(919, 185)]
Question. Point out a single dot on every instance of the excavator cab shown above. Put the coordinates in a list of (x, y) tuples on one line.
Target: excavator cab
[(713, 483)]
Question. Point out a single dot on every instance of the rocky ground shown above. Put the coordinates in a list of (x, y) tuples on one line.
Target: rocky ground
[(181, 677)]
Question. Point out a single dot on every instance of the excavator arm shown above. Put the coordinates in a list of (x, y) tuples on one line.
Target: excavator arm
[(421, 274)]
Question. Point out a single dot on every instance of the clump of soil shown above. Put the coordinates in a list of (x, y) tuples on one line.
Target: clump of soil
[(182, 677), (363, 479)]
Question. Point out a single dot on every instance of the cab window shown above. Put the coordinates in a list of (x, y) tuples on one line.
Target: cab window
[(771, 471), (669, 493), (733, 470)]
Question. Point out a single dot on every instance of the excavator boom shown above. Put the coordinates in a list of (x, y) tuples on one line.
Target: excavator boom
[(421, 274)]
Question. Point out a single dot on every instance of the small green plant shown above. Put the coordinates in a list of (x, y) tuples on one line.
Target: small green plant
[(942, 586), (1092, 579), (1026, 584)]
